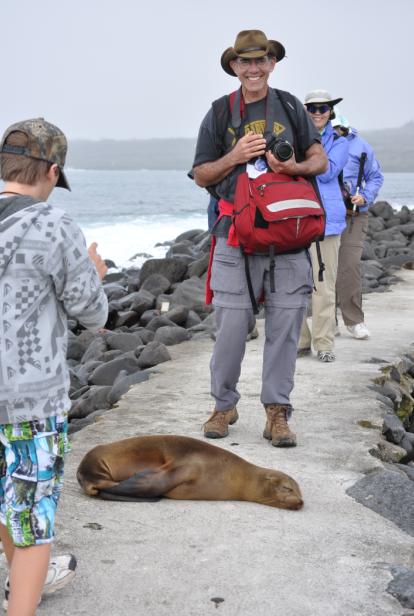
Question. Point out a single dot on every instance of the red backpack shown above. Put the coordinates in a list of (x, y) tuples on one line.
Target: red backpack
[(278, 211)]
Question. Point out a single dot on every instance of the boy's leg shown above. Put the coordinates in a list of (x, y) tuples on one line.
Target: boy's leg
[(27, 576), (7, 543), (31, 484)]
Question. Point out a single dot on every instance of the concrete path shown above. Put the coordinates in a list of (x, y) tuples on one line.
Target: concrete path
[(183, 558)]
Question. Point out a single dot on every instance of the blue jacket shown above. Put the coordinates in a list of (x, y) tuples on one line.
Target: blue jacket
[(372, 178), (336, 149)]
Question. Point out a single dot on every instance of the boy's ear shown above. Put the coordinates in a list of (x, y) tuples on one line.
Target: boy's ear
[(53, 172)]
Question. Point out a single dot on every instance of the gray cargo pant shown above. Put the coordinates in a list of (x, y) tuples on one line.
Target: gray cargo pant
[(284, 312)]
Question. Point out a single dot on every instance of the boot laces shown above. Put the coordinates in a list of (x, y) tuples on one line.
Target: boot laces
[(221, 417), (278, 416)]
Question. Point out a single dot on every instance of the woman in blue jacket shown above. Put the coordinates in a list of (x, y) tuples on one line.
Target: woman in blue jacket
[(319, 105), (349, 282)]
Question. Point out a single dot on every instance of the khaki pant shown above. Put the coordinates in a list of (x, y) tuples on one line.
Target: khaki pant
[(323, 298), (349, 282)]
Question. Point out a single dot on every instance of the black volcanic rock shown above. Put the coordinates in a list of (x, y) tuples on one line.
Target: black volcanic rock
[(172, 269)]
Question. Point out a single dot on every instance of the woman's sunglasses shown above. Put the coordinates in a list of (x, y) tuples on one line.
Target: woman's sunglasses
[(318, 108)]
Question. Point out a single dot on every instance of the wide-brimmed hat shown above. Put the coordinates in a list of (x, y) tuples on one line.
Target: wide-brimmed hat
[(45, 141), (321, 96), (251, 44)]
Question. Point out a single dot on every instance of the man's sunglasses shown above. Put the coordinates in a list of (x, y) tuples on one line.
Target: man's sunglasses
[(318, 108)]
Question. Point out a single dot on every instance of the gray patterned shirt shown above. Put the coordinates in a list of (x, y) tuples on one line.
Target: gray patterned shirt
[(46, 275)]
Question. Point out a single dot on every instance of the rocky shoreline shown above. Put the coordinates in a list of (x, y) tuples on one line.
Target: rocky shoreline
[(389, 490), (162, 304)]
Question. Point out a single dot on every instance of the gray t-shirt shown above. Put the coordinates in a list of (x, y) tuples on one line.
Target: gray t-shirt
[(210, 148)]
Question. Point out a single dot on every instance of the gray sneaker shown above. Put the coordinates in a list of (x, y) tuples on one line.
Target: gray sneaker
[(60, 572), (326, 356)]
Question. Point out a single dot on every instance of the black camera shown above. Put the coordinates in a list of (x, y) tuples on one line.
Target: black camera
[(280, 148)]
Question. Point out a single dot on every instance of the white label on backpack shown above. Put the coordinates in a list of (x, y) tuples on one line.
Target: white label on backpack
[(292, 204)]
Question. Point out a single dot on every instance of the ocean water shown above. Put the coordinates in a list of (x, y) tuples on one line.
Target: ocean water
[(129, 212)]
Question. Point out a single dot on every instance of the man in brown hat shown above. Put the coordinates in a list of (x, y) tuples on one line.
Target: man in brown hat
[(232, 139)]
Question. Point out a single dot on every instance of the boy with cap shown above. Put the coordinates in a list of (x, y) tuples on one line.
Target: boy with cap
[(221, 155), (46, 274)]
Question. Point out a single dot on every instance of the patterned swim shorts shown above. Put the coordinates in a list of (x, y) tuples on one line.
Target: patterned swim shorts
[(31, 477)]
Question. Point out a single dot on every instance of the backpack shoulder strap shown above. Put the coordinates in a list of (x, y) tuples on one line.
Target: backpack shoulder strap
[(226, 112), (288, 102), (221, 112), (341, 174)]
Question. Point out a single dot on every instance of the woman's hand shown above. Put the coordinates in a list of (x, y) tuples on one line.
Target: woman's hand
[(357, 200)]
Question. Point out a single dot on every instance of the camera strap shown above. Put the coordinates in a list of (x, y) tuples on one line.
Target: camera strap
[(238, 110)]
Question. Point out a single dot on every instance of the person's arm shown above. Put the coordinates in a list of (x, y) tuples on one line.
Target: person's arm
[(373, 180), (337, 159), (212, 172), (99, 263), (75, 277), (315, 162)]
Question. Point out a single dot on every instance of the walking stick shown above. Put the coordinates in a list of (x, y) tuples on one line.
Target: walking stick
[(358, 186)]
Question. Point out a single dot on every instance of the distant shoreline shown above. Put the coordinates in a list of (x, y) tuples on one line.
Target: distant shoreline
[(394, 148)]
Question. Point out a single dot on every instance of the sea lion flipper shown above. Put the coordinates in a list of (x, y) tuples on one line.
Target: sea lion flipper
[(144, 485), (106, 495)]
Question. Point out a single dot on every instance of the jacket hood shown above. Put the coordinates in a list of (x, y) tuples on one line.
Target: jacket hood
[(352, 132), (17, 215)]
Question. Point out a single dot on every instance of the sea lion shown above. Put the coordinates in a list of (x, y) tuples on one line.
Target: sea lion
[(149, 467)]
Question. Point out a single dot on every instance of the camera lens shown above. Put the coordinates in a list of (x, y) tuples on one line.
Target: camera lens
[(282, 150)]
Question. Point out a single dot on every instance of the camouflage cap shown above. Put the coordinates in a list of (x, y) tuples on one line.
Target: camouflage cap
[(45, 142)]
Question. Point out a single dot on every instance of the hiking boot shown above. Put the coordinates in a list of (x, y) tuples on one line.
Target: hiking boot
[(217, 426), (277, 429), (60, 572)]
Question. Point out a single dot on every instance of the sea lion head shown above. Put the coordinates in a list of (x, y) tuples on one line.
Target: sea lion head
[(280, 490)]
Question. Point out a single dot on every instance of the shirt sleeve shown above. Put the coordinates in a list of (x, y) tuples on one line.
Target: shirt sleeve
[(207, 149), (75, 278)]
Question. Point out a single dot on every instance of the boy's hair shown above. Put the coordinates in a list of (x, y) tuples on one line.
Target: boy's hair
[(15, 168)]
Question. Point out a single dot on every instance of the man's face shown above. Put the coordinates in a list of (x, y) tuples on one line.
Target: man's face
[(253, 73)]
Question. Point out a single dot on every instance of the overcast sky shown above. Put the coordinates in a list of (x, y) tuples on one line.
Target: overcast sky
[(140, 69)]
